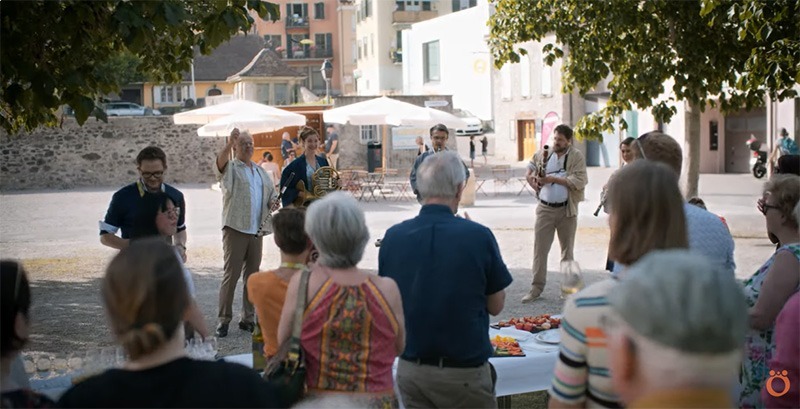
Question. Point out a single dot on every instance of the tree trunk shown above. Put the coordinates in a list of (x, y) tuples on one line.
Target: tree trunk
[(690, 175)]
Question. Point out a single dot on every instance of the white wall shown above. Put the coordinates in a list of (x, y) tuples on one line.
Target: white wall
[(465, 63)]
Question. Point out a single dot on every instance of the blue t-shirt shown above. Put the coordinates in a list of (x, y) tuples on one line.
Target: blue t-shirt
[(445, 267), (121, 212)]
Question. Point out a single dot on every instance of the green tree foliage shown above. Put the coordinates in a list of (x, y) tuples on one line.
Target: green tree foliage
[(720, 53), (55, 53)]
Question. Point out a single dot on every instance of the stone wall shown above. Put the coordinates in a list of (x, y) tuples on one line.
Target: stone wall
[(102, 154), (353, 154)]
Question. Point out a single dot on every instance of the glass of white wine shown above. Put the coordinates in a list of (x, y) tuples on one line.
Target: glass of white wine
[(571, 278)]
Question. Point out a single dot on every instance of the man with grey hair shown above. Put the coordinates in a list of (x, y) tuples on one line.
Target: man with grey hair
[(676, 334), (451, 277), (248, 196)]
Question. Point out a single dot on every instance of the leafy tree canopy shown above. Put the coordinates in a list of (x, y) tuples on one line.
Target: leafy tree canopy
[(730, 54), (68, 52)]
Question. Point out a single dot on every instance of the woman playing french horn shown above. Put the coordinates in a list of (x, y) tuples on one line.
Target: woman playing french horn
[(296, 178)]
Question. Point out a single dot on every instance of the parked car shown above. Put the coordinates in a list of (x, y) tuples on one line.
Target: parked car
[(474, 124), (121, 108)]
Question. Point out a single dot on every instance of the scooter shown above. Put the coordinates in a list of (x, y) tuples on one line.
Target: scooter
[(758, 161)]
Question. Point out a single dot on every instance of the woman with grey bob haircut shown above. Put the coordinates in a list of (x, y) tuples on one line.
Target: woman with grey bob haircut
[(338, 229), (441, 175)]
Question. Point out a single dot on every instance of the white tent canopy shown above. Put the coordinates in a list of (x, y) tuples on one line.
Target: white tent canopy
[(246, 115), (377, 111), (427, 117)]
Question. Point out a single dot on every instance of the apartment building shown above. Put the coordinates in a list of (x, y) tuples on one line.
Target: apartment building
[(307, 34), (379, 43)]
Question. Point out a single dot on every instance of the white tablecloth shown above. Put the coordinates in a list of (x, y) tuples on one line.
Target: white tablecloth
[(515, 375)]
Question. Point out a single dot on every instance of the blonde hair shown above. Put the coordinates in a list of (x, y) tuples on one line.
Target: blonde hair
[(647, 211), (786, 190), (145, 296)]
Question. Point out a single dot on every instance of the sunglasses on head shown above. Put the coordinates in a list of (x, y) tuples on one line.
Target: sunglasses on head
[(639, 141)]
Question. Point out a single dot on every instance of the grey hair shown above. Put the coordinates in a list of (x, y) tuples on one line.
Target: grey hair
[(338, 229), (680, 300), (440, 175)]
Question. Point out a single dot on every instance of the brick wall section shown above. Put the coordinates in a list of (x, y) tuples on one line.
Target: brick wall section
[(102, 154)]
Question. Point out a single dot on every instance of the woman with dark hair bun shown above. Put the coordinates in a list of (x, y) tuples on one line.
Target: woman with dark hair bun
[(146, 299), (158, 217), (16, 304)]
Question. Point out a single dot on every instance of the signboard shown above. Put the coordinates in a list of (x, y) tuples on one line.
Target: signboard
[(436, 103), (405, 138), (551, 120)]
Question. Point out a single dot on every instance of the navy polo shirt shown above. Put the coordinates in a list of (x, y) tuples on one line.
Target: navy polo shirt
[(121, 212), (445, 267)]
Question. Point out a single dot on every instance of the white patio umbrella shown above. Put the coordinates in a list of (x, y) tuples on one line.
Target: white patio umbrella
[(278, 118), (428, 117), (377, 111), (255, 123)]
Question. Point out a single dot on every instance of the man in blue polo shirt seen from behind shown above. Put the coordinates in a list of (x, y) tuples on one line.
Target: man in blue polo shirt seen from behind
[(451, 277), (151, 163)]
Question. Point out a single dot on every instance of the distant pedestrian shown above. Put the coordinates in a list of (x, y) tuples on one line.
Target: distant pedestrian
[(422, 147), (472, 151), (485, 149), (332, 147)]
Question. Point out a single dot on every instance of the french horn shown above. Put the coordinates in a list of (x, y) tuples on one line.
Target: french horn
[(323, 181)]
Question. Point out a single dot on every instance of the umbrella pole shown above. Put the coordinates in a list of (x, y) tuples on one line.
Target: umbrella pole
[(384, 162)]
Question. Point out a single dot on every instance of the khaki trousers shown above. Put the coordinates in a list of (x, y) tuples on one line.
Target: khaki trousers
[(333, 158), (242, 253), (428, 386), (551, 220)]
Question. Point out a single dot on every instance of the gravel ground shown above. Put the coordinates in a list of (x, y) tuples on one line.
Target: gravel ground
[(54, 234)]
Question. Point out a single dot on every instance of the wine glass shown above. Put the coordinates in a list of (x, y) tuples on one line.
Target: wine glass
[(212, 346), (571, 278), (75, 362), (120, 356), (30, 365)]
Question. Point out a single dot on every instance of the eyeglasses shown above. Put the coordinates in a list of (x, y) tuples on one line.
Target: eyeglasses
[(148, 175), (766, 207), (175, 211)]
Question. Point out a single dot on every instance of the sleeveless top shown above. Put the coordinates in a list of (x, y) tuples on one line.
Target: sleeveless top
[(759, 346), (348, 339)]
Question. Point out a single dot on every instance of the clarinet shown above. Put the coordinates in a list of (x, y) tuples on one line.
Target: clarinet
[(602, 203), (280, 195)]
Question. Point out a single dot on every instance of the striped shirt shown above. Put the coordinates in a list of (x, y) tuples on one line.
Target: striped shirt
[(581, 374)]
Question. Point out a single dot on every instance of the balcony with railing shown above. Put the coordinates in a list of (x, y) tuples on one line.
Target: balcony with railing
[(306, 53), (413, 16), (396, 55), (297, 21)]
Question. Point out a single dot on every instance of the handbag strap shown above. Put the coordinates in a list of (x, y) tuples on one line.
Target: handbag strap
[(297, 323)]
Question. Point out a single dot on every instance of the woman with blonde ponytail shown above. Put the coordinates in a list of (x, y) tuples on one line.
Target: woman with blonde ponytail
[(146, 300)]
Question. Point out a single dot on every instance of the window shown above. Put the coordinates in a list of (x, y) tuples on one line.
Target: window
[(463, 4), (297, 10), (323, 43), (546, 79), (372, 44), (282, 96), (359, 49), (367, 8), (171, 94), (505, 82), (319, 11), (426, 5), (294, 47), (263, 93), (409, 5), (525, 76), (272, 41), (317, 82), (369, 133), (355, 51), (430, 61)]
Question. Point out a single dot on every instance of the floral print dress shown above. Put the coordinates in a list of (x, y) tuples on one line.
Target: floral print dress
[(759, 345)]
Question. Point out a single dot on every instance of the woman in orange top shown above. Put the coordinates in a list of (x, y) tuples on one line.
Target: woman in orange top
[(267, 289)]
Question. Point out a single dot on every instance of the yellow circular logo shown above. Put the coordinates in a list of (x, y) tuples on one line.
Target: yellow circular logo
[(479, 66)]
